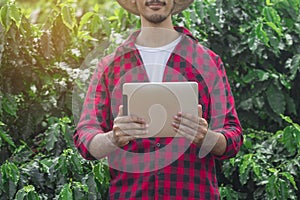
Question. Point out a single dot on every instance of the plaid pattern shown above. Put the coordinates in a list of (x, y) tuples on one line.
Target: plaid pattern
[(171, 167)]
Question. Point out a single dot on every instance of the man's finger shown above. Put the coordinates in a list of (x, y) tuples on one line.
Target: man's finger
[(185, 128), (120, 110), (186, 122), (200, 111), (129, 119), (132, 126), (184, 134), (187, 116)]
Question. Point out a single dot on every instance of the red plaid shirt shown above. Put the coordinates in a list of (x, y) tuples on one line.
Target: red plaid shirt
[(161, 168)]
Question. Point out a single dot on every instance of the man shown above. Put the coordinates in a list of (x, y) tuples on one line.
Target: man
[(160, 168)]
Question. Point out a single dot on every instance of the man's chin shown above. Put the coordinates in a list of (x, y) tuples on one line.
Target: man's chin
[(156, 18)]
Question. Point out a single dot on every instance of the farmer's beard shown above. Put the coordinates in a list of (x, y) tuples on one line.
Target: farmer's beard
[(157, 18)]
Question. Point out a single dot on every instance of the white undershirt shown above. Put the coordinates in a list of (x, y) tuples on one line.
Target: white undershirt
[(155, 59)]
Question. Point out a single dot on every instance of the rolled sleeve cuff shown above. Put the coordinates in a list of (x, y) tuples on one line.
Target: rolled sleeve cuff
[(82, 144), (234, 141)]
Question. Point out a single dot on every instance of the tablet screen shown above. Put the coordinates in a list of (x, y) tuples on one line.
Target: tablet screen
[(158, 103)]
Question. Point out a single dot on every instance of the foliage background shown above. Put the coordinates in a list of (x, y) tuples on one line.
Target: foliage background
[(48, 49)]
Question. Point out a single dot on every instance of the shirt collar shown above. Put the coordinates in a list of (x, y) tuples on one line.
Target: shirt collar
[(129, 44)]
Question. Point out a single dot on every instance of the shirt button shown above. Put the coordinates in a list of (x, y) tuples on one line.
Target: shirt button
[(158, 145)]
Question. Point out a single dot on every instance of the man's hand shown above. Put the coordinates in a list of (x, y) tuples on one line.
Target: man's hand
[(195, 128), (190, 126), (127, 128)]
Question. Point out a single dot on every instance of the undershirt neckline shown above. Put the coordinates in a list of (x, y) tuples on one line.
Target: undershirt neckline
[(155, 59)]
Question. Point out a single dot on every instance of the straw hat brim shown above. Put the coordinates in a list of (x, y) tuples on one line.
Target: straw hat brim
[(180, 5)]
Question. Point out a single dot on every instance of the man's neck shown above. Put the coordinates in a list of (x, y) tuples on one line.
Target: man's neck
[(157, 35)]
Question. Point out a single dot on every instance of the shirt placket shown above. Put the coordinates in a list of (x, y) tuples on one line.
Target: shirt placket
[(158, 173)]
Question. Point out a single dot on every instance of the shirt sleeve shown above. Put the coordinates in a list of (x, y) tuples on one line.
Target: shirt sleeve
[(95, 115), (228, 122)]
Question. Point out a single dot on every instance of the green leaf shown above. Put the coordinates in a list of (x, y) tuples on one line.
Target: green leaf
[(15, 15), (291, 106), (27, 192), (5, 18), (289, 139), (262, 75), (213, 17), (287, 119), (250, 76), (275, 28), (33, 196), (295, 5), (84, 19), (232, 161), (21, 194), (269, 3), (66, 193), (187, 18), (276, 44), (10, 109), (283, 192), (98, 172), (6, 137), (284, 80), (62, 165), (46, 164), (10, 105), (273, 170), (253, 42), (101, 173), (289, 39), (81, 186), (228, 193), (46, 45), (76, 163), (244, 168), (95, 24), (257, 169), (245, 176), (52, 135), (68, 17), (276, 100), (10, 172), (80, 191), (290, 177), (272, 188), (261, 34), (293, 65), (248, 143), (271, 15)]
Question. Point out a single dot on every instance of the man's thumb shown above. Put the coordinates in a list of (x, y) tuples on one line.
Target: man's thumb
[(200, 110), (120, 110)]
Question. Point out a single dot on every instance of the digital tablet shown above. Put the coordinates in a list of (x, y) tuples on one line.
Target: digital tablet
[(159, 102)]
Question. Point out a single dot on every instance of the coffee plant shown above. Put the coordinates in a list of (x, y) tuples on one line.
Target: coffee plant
[(49, 49)]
